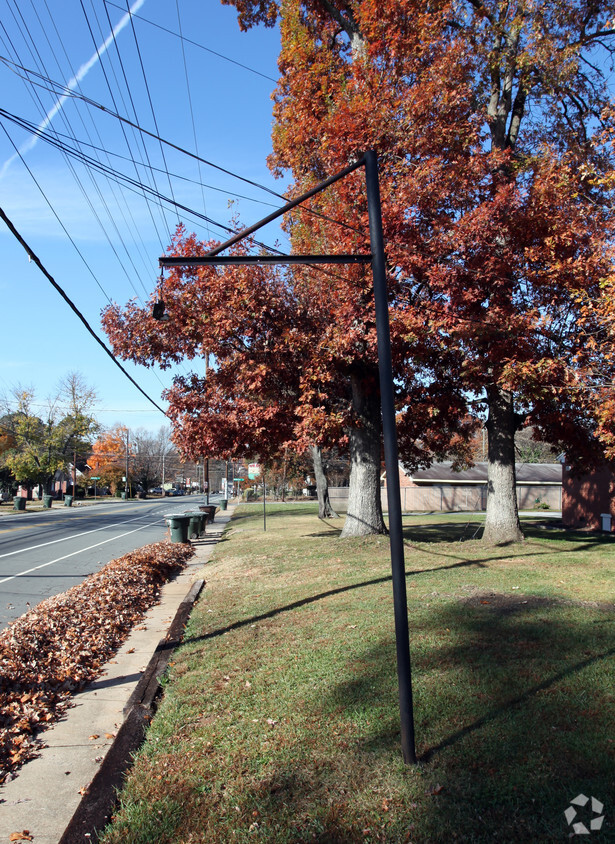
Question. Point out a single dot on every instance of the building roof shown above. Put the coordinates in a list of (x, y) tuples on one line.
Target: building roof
[(533, 473)]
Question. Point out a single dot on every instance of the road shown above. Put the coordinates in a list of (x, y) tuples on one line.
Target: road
[(45, 553)]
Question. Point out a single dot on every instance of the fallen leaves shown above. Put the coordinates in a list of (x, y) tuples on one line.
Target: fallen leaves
[(434, 790), (59, 646), (24, 835)]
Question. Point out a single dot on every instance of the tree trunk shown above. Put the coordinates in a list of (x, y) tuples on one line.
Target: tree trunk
[(364, 515), (325, 510), (502, 520)]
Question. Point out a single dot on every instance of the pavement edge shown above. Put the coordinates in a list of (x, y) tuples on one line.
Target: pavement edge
[(96, 807)]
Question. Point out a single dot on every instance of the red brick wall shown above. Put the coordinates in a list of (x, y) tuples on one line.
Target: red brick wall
[(585, 498)]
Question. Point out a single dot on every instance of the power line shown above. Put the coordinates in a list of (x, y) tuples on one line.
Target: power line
[(194, 43), (66, 122), (149, 96), (34, 50), (60, 90), (126, 121), (74, 308), (194, 133), (122, 204)]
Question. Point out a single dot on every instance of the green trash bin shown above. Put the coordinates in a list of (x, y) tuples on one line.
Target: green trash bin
[(47, 499), (195, 526), (179, 524), (68, 500), (19, 502), (223, 503)]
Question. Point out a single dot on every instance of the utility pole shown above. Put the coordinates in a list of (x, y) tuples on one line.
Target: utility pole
[(126, 483)]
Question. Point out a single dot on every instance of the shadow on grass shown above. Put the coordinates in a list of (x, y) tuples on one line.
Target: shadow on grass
[(513, 716), (237, 625), (457, 531)]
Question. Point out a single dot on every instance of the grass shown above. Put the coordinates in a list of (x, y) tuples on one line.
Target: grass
[(280, 719)]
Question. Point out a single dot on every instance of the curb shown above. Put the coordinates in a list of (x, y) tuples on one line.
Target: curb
[(96, 807)]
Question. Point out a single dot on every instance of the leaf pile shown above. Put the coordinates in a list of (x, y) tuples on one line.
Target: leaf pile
[(57, 647)]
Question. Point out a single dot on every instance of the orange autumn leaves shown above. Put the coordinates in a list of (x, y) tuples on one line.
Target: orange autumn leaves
[(63, 643)]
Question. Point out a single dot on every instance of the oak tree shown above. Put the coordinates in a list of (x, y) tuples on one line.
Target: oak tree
[(498, 219)]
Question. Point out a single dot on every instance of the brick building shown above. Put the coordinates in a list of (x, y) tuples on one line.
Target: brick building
[(587, 498)]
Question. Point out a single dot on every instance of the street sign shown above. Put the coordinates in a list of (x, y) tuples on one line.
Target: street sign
[(254, 471), (239, 479), (92, 478)]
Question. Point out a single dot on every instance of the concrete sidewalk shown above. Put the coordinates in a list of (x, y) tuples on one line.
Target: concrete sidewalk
[(47, 790)]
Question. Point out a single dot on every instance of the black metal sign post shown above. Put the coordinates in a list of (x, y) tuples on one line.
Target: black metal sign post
[(387, 393)]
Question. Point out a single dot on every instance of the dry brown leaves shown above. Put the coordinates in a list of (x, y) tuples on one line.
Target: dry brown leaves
[(63, 643)]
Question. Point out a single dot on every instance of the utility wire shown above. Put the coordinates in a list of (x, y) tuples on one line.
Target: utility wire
[(78, 181), (109, 153), (128, 181), (64, 229), (122, 203), (149, 97), (194, 132), (62, 91), (140, 188), (74, 308), (194, 43), (126, 121), (71, 167)]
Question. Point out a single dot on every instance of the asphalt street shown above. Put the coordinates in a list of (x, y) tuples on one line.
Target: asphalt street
[(45, 553)]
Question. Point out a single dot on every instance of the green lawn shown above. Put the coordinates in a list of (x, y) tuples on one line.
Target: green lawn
[(280, 720)]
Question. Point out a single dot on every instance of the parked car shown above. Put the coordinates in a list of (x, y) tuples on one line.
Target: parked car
[(157, 490)]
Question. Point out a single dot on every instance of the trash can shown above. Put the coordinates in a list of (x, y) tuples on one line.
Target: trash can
[(223, 503), (606, 521), (195, 527), (68, 500), (123, 496), (19, 502), (179, 523), (47, 499), (210, 512)]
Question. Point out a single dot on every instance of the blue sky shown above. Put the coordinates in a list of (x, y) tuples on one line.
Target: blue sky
[(101, 241)]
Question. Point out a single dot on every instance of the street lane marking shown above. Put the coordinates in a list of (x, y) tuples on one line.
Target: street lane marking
[(74, 536), (21, 527), (80, 551)]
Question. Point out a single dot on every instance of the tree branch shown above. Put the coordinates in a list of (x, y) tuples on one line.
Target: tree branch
[(348, 23)]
